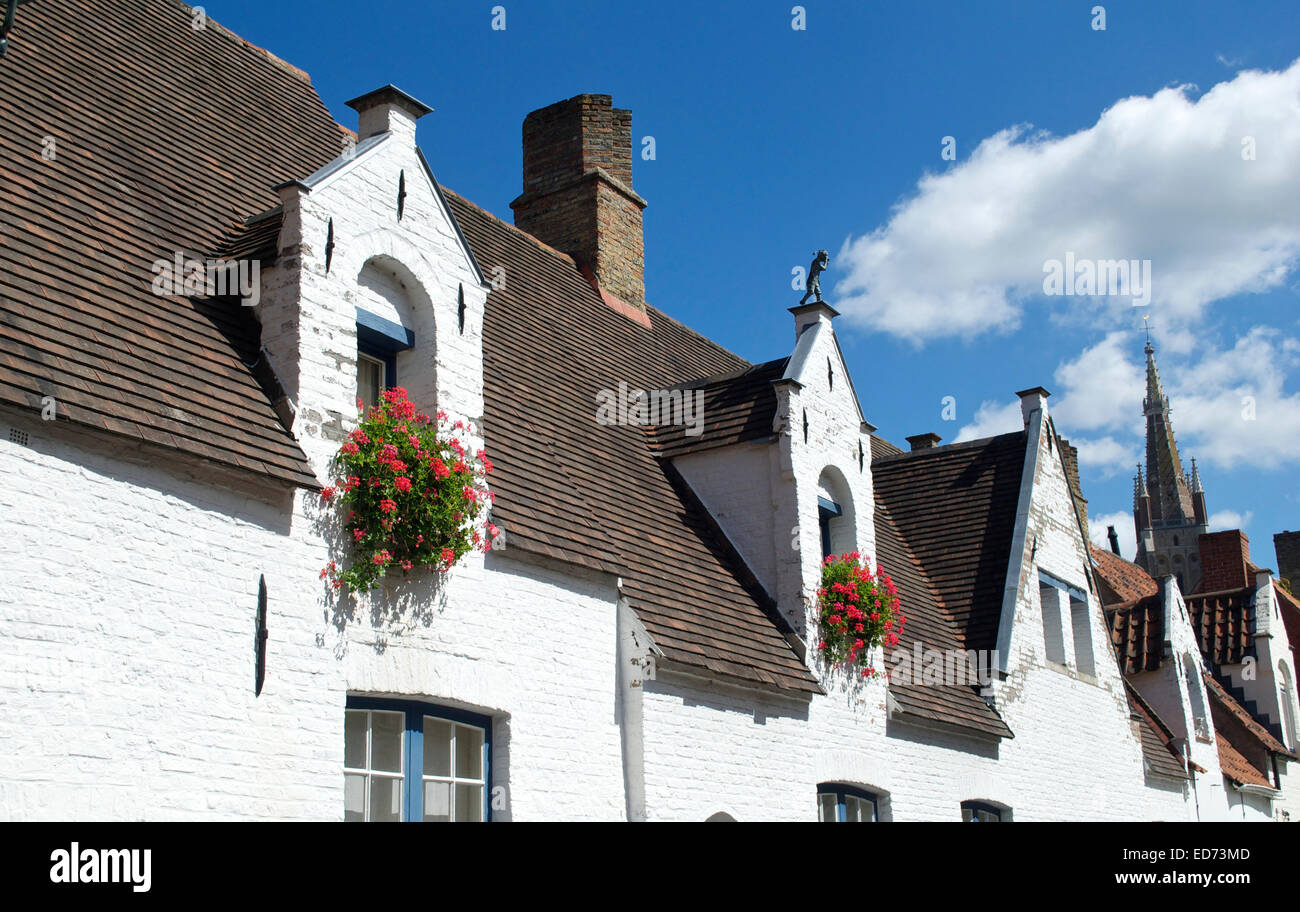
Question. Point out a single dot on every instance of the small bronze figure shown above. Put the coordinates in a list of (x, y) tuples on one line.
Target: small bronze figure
[(814, 285)]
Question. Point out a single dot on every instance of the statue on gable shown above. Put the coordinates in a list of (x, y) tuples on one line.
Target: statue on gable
[(821, 260)]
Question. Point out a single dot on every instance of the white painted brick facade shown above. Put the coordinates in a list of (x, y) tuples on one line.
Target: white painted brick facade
[(131, 587)]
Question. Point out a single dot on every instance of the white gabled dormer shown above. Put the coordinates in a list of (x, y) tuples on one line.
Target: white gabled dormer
[(375, 284), (782, 498)]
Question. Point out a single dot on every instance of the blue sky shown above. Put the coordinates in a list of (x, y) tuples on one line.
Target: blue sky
[(1128, 142)]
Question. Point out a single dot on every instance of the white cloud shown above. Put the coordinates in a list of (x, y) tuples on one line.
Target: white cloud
[(1123, 523), (1107, 455), (991, 419), (1102, 388), (1157, 177), (1229, 519), (1231, 408)]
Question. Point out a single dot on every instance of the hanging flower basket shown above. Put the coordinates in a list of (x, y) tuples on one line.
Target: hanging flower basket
[(858, 609), (410, 493)]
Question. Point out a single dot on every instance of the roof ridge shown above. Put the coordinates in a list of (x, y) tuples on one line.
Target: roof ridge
[(947, 448)]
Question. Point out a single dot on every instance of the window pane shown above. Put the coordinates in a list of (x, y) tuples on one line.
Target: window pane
[(437, 801), (354, 739), (828, 810), (354, 798), (386, 741), (437, 747), (469, 803), (469, 752), (852, 809), (385, 798), (370, 379)]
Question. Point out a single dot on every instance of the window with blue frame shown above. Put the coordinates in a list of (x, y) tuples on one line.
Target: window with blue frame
[(378, 343), (404, 760), (846, 804), (980, 812), (826, 511)]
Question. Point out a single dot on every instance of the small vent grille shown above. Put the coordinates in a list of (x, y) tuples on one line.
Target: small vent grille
[(17, 436)]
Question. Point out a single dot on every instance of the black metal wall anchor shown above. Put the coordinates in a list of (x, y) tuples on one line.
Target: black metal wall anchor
[(460, 307), (401, 194), (259, 639), (329, 247), (11, 8)]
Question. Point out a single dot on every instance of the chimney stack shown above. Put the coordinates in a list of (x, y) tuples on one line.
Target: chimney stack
[(924, 441), (1032, 400), (1223, 561), (1114, 540), (1287, 547), (578, 194), (388, 110)]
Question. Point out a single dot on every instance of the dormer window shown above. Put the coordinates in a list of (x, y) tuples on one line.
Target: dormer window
[(835, 513), (372, 378), (378, 343), (827, 510)]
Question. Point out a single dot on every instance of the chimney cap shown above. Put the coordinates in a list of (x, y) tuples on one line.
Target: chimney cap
[(1033, 390), (923, 441), (390, 95)]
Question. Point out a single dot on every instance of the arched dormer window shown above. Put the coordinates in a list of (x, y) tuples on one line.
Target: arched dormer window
[(835, 514), (386, 307)]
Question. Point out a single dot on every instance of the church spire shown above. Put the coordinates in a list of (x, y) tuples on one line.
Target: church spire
[(1171, 495), (1169, 505)]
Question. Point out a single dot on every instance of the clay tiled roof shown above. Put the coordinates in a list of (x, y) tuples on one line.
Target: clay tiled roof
[(932, 628), (955, 509), (165, 138), (1157, 740), (1235, 766), (1137, 632), (1224, 624), (572, 488), (1122, 581), (1244, 745), (1220, 698), (740, 406)]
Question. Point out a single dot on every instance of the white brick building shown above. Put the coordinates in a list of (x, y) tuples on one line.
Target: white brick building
[(643, 645)]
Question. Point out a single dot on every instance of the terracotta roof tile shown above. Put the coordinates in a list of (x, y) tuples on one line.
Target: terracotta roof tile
[(1224, 624), (575, 489), (932, 628), (110, 82), (739, 406), (955, 508), (1137, 631), (1123, 581)]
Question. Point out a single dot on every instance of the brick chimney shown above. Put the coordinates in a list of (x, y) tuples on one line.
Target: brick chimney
[(1223, 561), (923, 441), (1287, 546), (578, 194)]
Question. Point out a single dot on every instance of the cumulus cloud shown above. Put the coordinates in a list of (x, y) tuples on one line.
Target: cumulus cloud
[(1230, 406), (991, 419), (1160, 177), (1229, 519)]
